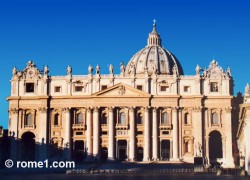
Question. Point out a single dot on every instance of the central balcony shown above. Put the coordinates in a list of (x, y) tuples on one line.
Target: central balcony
[(79, 127)]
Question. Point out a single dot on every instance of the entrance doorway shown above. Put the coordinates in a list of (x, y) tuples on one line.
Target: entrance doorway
[(215, 146), (104, 154), (28, 144), (165, 150), (79, 153), (122, 150), (139, 153)]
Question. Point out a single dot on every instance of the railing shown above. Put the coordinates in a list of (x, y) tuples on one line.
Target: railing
[(79, 126), (166, 126)]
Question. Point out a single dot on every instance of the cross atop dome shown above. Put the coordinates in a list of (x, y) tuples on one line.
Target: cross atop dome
[(154, 23)]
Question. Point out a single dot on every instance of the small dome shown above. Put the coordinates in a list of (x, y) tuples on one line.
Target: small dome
[(153, 58)]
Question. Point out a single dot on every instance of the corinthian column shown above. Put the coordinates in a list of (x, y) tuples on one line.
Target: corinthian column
[(42, 136), (155, 135), (175, 135), (229, 145), (96, 134), (132, 134), (89, 134), (13, 129), (67, 136), (111, 155), (146, 149)]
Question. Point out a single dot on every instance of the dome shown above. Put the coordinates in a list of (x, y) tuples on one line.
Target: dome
[(153, 58)]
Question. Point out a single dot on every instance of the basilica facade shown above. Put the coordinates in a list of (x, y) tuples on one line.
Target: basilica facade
[(150, 111)]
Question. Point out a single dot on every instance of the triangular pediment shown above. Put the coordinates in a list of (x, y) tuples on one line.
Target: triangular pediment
[(121, 90)]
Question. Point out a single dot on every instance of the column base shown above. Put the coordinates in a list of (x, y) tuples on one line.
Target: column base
[(155, 159), (146, 159), (111, 159), (175, 159), (131, 160), (228, 163)]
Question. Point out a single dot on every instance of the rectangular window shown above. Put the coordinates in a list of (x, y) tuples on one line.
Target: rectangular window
[(186, 88), (139, 133), (214, 87), (104, 133), (30, 87), (79, 133), (165, 132), (78, 88), (104, 87), (165, 88), (139, 87), (57, 88)]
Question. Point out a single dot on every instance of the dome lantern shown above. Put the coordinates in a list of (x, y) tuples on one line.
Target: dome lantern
[(154, 39)]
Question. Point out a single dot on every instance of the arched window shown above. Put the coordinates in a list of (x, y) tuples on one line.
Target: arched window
[(79, 118), (139, 118), (56, 120), (165, 118), (215, 118), (28, 120), (186, 119), (122, 119), (104, 118)]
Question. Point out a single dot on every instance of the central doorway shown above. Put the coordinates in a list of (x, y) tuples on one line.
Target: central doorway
[(28, 146), (215, 146), (122, 150), (79, 153), (165, 150), (139, 153)]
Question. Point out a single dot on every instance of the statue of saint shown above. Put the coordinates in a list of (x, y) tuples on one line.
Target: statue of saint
[(111, 69), (97, 69), (14, 71), (122, 68), (197, 70), (174, 70), (90, 69), (198, 150), (229, 71), (69, 70), (46, 70)]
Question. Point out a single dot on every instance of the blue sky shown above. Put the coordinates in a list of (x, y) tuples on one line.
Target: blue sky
[(79, 33)]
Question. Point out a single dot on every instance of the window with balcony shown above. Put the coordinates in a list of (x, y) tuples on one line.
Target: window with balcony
[(165, 119), (215, 119), (122, 119), (30, 87), (28, 120), (79, 118)]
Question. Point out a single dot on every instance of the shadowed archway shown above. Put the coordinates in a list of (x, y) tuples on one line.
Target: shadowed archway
[(28, 144), (215, 146)]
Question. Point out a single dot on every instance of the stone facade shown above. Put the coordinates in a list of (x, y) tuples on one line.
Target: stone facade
[(151, 111), (243, 132)]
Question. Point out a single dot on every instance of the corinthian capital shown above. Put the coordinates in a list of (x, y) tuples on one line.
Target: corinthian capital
[(67, 109), (42, 109), (228, 109)]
